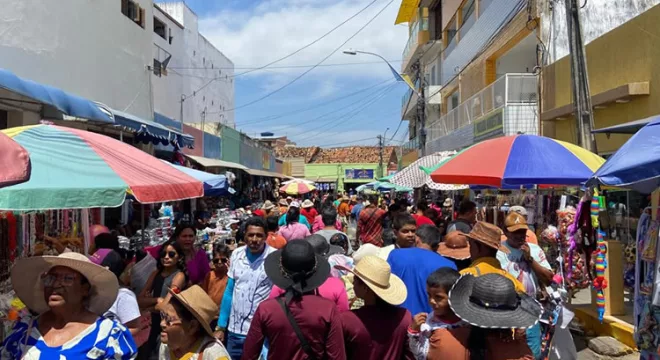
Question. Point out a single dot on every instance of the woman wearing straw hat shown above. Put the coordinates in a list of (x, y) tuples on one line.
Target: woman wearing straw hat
[(70, 294), (186, 331), (380, 320), (299, 324), (491, 305), (308, 211)]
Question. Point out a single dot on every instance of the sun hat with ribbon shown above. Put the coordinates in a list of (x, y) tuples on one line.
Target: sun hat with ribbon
[(307, 204), (376, 273), (296, 268), (455, 246), (200, 305), (487, 234), (490, 301), (26, 280)]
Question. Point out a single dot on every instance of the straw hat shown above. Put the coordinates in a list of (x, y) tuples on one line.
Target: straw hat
[(307, 204), (268, 205), (490, 301), (448, 202), (371, 249), (200, 305), (283, 202), (515, 221), (377, 274), (487, 234), (295, 204), (455, 246), (26, 280)]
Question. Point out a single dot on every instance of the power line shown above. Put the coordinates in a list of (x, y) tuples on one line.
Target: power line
[(274, 117), (350, 109), (347, 142), (282, 66), (297, 51), (340, 121), (319, 63)]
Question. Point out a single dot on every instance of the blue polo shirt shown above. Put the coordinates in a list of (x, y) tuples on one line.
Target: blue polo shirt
[(413, 266)]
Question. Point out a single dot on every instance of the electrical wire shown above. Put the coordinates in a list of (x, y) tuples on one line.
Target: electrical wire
[(274, 117), (346, 142), (293, 53), (319, 63), (282, 67)]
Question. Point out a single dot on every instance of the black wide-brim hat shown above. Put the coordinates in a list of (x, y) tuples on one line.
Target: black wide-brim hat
[(525, 315), (273, 268)]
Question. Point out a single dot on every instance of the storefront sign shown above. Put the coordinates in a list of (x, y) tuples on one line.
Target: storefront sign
[(489, 127), (359, 174)]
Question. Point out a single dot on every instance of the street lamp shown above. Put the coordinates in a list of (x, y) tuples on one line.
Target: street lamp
[(355, 52)]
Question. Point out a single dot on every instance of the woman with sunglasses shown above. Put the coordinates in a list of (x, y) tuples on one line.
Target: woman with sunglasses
[(215, 281), (170, 274)]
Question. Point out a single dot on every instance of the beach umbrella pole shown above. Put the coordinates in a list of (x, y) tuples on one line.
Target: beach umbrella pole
[(142, 226)]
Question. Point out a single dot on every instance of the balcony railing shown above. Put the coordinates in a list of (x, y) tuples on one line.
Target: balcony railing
[(508, 89), (412, 144), (413, 40)]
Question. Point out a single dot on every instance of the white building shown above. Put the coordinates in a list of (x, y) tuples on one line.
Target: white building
[(106, 51), (198, 71), (94, 49)]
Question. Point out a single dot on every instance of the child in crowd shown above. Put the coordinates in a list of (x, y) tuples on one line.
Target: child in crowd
[(215, 282), (428, 331)]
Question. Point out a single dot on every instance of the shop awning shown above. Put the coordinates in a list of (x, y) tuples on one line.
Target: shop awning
[(406, 11), (265, 173), (19, 93), (206, 162), (150, 131), (630, 127)]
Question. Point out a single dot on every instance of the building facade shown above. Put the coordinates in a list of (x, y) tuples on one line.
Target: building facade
[(621, 50), (476, 63)]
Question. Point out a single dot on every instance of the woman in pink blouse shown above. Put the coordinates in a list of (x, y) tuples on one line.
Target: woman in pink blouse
[(294, 230)]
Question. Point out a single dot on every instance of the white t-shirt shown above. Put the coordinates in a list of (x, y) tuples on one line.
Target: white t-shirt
[(251, 287), (125, 309)]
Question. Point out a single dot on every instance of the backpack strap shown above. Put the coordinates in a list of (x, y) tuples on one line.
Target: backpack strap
[(305, 345)]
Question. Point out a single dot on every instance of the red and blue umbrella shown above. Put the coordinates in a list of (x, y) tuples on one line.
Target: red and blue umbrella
[(519, 160), (74, 169)]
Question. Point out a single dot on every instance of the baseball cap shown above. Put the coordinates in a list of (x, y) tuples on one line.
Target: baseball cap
[(514, 222)]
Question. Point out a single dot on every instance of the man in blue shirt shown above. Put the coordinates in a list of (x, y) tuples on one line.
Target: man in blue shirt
[(414, 265), (355, 213)]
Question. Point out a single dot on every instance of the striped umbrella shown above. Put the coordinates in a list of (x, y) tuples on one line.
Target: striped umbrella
[(414, 176), (15, 162), (519, 160), (298, 187), (73, 168)]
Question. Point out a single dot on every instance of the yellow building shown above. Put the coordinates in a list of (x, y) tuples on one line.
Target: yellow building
[(623, 76)]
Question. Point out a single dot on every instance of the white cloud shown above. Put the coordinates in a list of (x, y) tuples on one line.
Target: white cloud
[(275, 28)]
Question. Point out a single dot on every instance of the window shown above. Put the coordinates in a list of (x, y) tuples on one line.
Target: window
[(160, 28), (133, 11), (433, 75), (451, 30)]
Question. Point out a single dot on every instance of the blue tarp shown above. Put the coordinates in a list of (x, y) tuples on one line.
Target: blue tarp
[(636, 165), (214, 185), (150, 131), (212, 146), (60, 100)]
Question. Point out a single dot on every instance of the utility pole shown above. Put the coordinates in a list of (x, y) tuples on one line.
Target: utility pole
[(584, 116), (421, 108), (380, 145)]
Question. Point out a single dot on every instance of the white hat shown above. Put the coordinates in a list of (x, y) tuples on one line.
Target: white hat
[(448, 202), (519, 209), (26, 280), (295, 204), (371, 249), (307, 204)]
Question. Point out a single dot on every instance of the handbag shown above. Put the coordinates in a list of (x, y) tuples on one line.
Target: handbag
[(305, 345)]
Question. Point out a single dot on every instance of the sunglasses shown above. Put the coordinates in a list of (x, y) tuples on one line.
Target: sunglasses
[(169, 320), (222, 260), (170, 254), (67, 280)]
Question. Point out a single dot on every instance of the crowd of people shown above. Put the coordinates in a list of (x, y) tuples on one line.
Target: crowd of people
[(410, 282)]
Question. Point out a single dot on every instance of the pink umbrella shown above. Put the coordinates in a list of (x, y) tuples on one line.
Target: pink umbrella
[(15, 162)]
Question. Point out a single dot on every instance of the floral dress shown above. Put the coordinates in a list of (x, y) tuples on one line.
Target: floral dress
[(104, 339)]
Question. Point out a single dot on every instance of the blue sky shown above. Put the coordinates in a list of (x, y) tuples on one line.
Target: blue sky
[(329, 106)]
